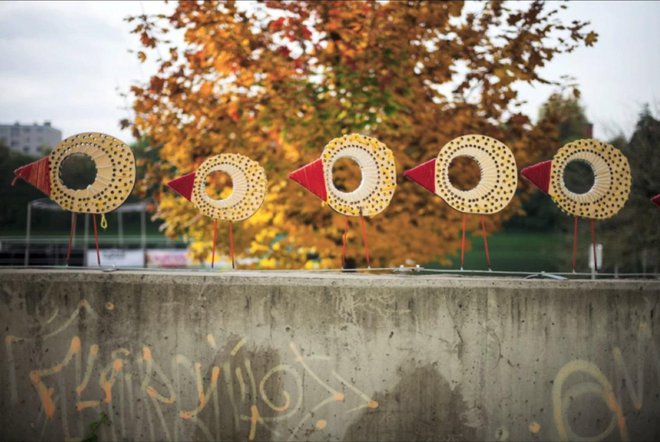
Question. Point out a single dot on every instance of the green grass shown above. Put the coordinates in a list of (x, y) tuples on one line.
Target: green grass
[(510, 250), (516, 251), (58, 224), (57, 232)]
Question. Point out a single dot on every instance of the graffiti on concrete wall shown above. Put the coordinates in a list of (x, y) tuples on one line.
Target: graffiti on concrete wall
[(594, 384), (211, 384), (151, 396)]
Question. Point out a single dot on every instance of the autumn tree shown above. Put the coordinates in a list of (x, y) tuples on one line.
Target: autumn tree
[(277, 80)]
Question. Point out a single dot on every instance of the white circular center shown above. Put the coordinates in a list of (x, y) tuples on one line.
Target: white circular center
[(602, 177), (369, 170), (486, 164), (103, 170), (239, 184), (77, 163)]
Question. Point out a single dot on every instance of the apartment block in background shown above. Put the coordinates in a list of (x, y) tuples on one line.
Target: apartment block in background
[(30, 139)]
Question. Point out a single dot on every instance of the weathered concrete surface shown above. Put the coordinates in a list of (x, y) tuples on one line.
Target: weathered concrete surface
[(278, 356)]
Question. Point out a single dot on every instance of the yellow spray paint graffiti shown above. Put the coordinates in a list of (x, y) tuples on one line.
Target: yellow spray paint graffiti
[(261, 400), (601, 388)]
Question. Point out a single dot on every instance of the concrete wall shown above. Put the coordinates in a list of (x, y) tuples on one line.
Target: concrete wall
[(286, 356)]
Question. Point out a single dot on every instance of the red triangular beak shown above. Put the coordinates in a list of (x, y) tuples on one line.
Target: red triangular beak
[(656, 200), (311, 177), (183, 185), (36, 173), (539, 175), (424, 175)]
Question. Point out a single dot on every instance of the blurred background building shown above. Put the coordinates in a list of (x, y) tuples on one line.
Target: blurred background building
[(30, 139)]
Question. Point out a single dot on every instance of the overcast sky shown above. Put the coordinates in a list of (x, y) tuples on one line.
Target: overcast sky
[(67, 61)]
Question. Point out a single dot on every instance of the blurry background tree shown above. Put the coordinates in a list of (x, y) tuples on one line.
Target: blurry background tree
[(77, 171), (564, 120), (632, 238), (14, 199), (276, 81)]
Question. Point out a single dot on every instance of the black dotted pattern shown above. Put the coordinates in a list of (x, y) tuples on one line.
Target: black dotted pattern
[(385, 180), (498, 181), (611, 181), (250, 175), (115, 173)]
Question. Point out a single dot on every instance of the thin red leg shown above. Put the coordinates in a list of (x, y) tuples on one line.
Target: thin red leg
[(231, 244), (575, 241), (464, 222), (593, 242), (96, 240), (483, 234), (215, 234), (364, 240), (344, 242), (71, 234)]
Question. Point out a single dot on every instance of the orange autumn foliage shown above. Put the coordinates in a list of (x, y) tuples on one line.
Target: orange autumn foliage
[(276, 81)]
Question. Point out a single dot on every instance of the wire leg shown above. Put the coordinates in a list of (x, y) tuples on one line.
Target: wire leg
[(593, 242), (344, 243), (96, 240), (575, 241), (483, 234), (364, 240), (464, 222), (215, 234), (231, 244), (71, 234)]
